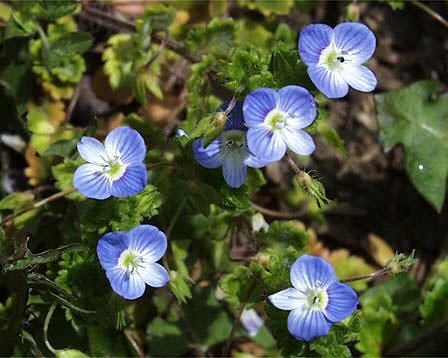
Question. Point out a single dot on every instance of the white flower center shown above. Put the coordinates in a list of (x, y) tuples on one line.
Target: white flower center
[(334, 58), (234, 139), (317, 298), (130, 260), (234, 144), (114, 169), (276, 119)]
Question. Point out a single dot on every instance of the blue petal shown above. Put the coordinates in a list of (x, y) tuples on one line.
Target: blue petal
[(312, 41), (298, 141), (132, 182), (288, 299), (234, 170), (330, 83), (359, 77), (92, 151), (235, 119), (258, 104), (110, 247), (265, 144), (91, 182), (210, 157), (308, 272), (251, 321), (154, 275), (126, 284), (255, 162), (306, 324), (127, 144), (148, 241), (342, 302), (299, 104), (357, 39)]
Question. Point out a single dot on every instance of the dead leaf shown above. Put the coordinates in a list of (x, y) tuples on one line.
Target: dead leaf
[(379, 250)]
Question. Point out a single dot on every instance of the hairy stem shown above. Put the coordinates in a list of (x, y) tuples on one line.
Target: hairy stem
[(372, 275)]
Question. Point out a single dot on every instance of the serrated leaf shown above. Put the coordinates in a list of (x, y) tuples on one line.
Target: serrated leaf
[(71, 43), (159, 17), (383, 308), (55, 9), (409, 116), (179, 286)]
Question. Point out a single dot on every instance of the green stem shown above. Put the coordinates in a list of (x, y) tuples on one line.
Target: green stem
[(46, 325), (176, 216), (236, 321)]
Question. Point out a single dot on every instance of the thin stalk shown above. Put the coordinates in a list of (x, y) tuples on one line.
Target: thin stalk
[(278, 214), (369, 276), (236, 321), (293, 165), (46, 325), (431, 13), (37, 205)]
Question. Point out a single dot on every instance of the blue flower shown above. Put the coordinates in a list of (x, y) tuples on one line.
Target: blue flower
[(335, 56), (276, 119), (229, 150), (317, 299), (129, 259), (113, 169), (251, 321)]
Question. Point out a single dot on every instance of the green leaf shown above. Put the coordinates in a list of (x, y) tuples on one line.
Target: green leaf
[(268, 7), (435, 305), (215, 324), (55, 9), (245, 284), (395, 4), (246, 69), (159, 17), (179, 286), (45, 257), (62, 148), (71, 43), (166, 339), (63, 173), (383, 310), (70, 353), (106, 342), (215, 38), (287, 68), (412, 117)]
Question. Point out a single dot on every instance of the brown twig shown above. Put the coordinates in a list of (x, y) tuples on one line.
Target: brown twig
[(135, 345), (71, 106), (37, 205), (120, 24), (431, 13), (278, 214)]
